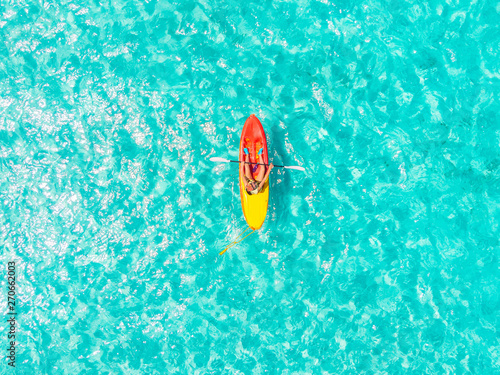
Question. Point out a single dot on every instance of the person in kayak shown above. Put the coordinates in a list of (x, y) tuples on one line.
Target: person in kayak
[(254, 184)]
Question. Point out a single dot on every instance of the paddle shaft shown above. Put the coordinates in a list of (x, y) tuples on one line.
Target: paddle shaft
[(222, 160), (246, 162)]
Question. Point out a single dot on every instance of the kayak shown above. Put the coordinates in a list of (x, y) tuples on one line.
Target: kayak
[(253, 138)]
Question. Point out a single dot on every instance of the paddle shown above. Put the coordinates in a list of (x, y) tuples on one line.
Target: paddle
[(237, 161)]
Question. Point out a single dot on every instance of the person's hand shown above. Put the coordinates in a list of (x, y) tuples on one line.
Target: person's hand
[(271, 166)]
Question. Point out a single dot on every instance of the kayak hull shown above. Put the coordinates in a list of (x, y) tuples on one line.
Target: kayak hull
[(253, 138)]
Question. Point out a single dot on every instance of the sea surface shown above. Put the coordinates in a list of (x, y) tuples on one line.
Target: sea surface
[(381, 258)]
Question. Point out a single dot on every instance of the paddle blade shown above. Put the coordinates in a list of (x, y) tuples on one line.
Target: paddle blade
[(221, 160), (296, 167)]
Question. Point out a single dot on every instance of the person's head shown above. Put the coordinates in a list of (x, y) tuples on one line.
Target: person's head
[(252, 188)]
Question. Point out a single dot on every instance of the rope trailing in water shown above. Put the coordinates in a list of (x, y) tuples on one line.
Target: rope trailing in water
[(237, 240)]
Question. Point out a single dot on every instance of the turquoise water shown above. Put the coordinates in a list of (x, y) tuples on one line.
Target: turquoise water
[(382, 258)]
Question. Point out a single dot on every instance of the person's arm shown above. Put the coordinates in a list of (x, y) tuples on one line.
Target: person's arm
[(242, 172), (266, 176)]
